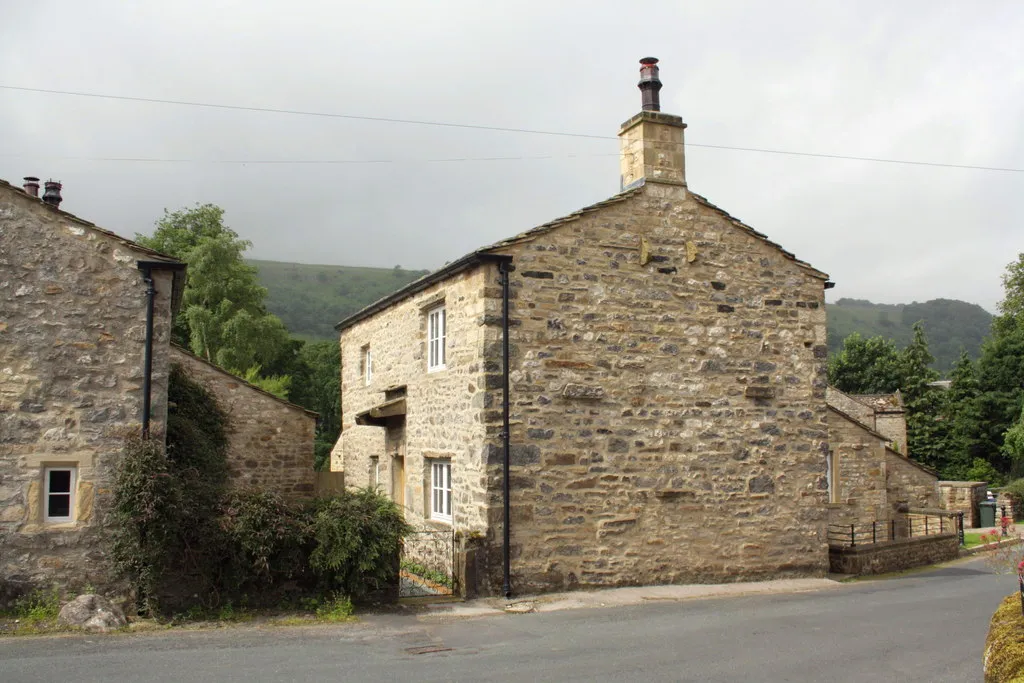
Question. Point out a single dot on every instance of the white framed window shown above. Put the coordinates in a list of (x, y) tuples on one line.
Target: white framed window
[(441, 490), (367, 362), (59, 494), (437, 332)]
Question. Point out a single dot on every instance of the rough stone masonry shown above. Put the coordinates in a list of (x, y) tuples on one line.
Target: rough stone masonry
[(72, 333), (668, 414)]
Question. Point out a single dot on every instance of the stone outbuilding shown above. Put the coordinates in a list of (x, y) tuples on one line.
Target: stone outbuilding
[(80, 369), (666, 422), (270, 440), (869, 480)]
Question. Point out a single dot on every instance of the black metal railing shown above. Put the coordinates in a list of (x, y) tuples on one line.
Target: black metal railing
[(907, 525)]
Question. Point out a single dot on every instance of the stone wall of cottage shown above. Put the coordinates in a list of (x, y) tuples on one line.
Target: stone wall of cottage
[(445, 408), (908, 484), (72, 331), (270, 442), (860, 478), (963, 496), (668, 417)]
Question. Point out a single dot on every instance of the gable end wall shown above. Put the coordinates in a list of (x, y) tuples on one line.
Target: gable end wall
[(638, 456)]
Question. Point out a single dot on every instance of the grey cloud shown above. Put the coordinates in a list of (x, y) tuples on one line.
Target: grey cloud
[(914, 80)]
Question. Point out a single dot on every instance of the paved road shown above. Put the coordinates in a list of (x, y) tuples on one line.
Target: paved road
[(927, 627)]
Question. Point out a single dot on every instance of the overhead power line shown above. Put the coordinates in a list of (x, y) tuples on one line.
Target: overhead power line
[(311, 161), (444, 124)]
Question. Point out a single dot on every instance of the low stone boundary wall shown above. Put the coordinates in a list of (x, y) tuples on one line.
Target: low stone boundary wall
[(906, 553)]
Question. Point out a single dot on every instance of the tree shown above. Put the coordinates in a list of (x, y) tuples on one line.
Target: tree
[(1013, 443), (865, 366), (927, 433), (223, 318), (1000, 374), (315, 386), (959, 415)]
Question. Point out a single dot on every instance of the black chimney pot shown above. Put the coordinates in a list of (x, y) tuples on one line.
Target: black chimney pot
[(31, 186), (650, 84), (51, 195)]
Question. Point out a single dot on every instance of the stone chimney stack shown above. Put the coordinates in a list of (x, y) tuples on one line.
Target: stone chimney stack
[(51, 193), (651, 143), (31, 186)]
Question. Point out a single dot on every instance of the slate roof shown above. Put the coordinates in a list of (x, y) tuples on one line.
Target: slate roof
[(881, 403), (487, 253), (884, 439)]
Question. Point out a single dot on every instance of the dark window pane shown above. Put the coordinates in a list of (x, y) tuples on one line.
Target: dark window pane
[(60, 481), (59, 505)]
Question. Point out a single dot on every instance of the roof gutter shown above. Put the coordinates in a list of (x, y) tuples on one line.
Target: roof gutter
[(464, 263)]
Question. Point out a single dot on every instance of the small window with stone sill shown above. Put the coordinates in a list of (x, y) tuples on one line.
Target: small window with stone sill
[(59, 494)]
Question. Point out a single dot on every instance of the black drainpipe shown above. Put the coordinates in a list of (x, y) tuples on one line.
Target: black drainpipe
[(504, 268), (147, 370)]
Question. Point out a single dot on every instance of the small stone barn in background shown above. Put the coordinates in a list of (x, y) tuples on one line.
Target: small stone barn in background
[(667, 414), (270, 441), (869, 479)]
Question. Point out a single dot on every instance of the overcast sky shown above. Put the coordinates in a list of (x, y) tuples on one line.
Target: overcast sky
[(924, 81)]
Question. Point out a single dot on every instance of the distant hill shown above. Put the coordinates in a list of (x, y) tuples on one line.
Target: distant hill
[(311, 299), (951, 325)]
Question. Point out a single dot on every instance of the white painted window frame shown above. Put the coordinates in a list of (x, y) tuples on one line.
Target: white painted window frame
[(437, 338), (70, 493), (367, 365), (441, 507)]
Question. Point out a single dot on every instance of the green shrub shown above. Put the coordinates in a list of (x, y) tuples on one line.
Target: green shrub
[(38, 608), (148, 515), (357, 537), (337, 608), (267, 537)]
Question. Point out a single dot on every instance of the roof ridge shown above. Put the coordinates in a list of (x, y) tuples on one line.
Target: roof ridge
[(152, 253)]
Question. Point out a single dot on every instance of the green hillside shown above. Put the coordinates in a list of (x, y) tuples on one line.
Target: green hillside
[(311, 299), (950, 325)]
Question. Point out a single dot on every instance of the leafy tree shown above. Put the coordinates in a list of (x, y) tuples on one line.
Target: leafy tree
[(1013, 443), (316, 387), (1000, 373), (223, 317), (865, 366)]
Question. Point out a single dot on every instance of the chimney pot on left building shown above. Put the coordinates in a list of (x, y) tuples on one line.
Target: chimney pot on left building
[(51, 193), (650, 84), (31, 186)]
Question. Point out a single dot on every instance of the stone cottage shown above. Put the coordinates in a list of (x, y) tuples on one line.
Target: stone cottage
[(869, 478), (85, 356), (85, 324), (666, 376)]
